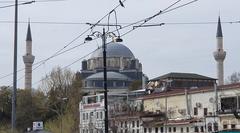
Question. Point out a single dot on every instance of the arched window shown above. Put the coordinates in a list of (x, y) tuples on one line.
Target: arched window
[(209, 127), (215, 126)]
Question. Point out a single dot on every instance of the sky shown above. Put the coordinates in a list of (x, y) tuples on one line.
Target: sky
[(172, 47)]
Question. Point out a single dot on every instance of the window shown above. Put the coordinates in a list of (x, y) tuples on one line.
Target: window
[(121, 124), (209, 127), (125, 123), (169, 129), (215, 126), (83, 131), (201, 129), (137, 130), (101, 115), (195, 111), (181, 130), (145, 130), (149, 130), (121, 131), (233, 126), (97, 115), (133, 123), (196, 129), (205, 111), (187, 129), (101, 98), (161, 129), (92, 100), (86, 116), (224, 126), (91, 114), (126, 131), (137, 123), (156, 130), (228, 104), (83, 116), (174, 129), (133, 131)]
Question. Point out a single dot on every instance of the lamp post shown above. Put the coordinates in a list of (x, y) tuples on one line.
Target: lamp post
[(104, 36)]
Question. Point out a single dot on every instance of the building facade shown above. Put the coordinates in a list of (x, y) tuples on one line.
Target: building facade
[(195, 110), (120, 113), (122, 69)]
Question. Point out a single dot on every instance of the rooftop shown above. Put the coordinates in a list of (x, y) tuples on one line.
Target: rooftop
[(175, 92), (175, 75)]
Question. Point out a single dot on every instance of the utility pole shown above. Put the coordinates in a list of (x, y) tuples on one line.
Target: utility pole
[(105, 81), (15, 68), (104, 36)]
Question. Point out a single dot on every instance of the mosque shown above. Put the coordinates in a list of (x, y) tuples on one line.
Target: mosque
[(122, 69)]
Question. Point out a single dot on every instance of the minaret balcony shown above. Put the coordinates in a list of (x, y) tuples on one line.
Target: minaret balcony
[(219, 55), (28, 59)]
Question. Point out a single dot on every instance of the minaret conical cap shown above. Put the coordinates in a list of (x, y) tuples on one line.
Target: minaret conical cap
[(29, 36), (219, 28)]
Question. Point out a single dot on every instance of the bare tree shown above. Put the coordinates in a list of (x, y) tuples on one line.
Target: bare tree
[(234, 78), (63, 84)]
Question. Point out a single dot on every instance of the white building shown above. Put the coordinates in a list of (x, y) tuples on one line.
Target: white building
[(195, 110), (120, 105), (92, 114)]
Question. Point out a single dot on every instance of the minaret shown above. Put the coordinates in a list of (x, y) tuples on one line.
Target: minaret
[(220, 54), (28, 59)]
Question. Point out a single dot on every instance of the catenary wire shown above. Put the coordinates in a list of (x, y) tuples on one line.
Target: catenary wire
[(65, 67), (168, 9), (123, 23), (11, 1), (23, 3), (58, 52)]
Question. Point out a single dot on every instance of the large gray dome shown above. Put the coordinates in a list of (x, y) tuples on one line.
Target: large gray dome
[(114, 50)]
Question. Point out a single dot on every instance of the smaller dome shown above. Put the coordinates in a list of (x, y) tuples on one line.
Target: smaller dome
[(110, 76), (114, 50)]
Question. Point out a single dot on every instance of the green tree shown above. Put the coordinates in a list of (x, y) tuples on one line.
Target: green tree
[(29, 107), (5, 107)]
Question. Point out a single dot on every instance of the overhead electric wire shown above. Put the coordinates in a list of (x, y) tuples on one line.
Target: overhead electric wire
[(123, 23), (65, 67), (23, 3), (166, 10), (79, 59), (145, 19), (56, 53), (11, 1), (59, 51)]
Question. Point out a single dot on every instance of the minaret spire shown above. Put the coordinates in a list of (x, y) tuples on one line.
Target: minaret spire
[(29, 35), (220, 54), (219, 28), (28, 59)]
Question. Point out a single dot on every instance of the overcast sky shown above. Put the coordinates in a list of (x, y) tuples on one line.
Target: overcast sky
[(169, 48)]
